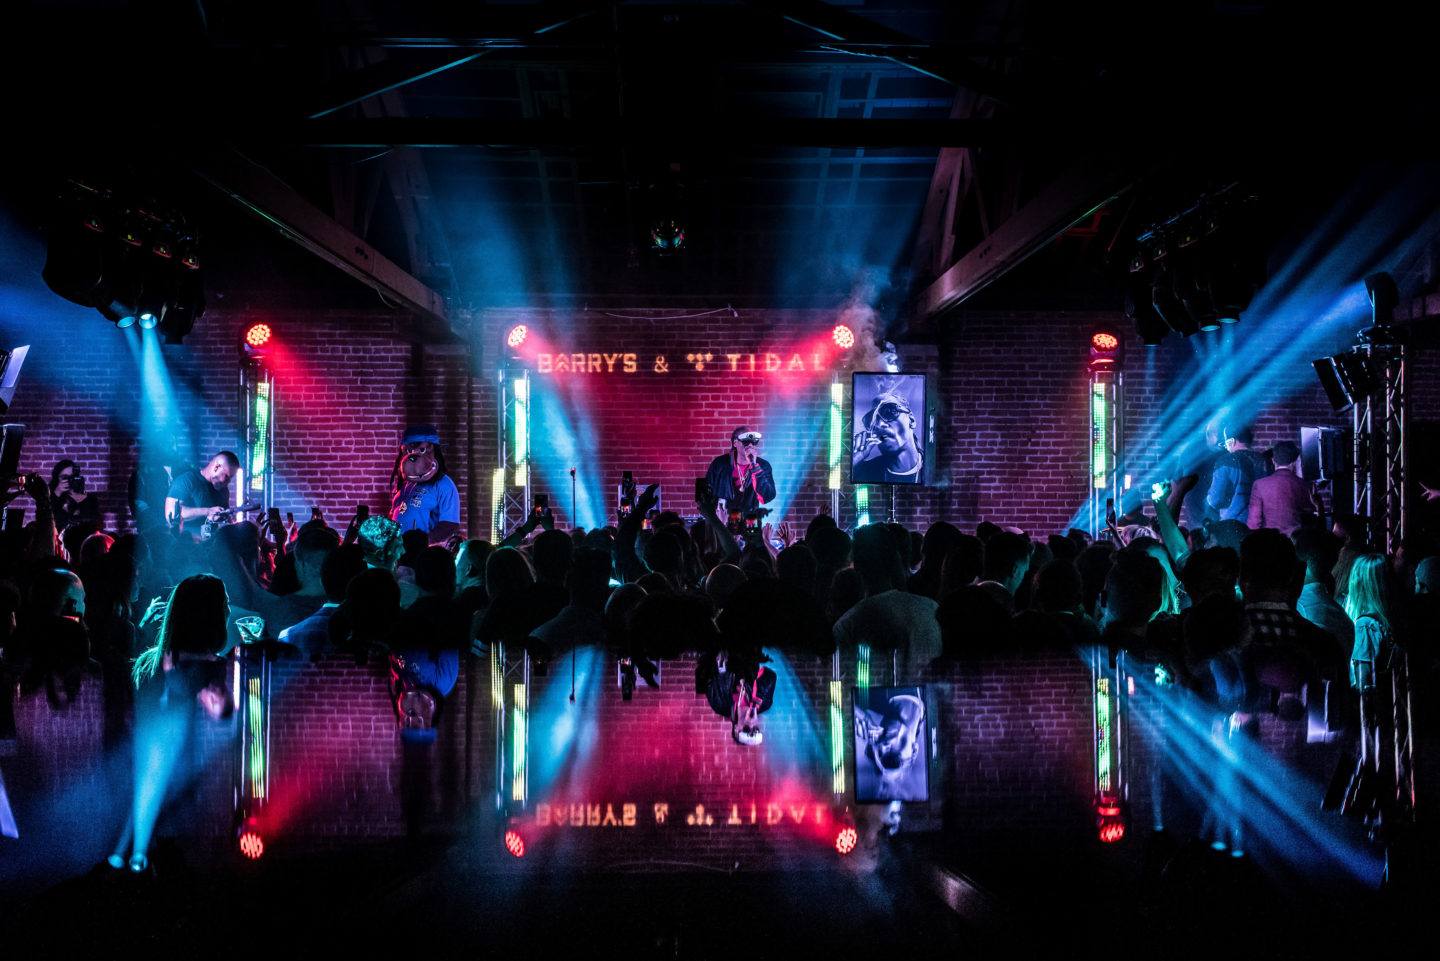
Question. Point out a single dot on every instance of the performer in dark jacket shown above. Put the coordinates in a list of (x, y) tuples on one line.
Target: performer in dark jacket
[(741, 479)]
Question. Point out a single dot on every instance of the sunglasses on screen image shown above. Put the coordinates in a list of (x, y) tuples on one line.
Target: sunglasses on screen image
[(890, 411)]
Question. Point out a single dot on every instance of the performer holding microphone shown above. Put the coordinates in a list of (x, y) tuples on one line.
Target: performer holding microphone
[(741, 479)]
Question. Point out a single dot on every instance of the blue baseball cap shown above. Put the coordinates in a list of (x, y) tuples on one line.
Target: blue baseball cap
[(421, 433)]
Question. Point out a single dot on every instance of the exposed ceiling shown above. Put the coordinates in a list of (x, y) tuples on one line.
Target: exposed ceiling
[(517, 153)]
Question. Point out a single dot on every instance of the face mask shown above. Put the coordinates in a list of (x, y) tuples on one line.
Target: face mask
[(419, 465)]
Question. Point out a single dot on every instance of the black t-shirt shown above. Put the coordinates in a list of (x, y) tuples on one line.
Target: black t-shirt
[(192, 490), (69, 511)]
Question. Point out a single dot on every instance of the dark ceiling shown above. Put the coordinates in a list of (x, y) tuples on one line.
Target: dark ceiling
[(518, 153)]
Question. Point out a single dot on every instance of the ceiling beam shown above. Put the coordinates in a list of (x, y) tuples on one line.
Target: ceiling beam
[(272, 200), (373, 133), (1071, 197), (857, 35)]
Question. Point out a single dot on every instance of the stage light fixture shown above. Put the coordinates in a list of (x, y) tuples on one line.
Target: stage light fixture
[(1170, 308), (516, 337), (1104, 348), (667, 237), (514, 843), (1384, 297), (148, 320), (258, 335), (122, 317), (1110, 819), (843, 336), (249, 840), (845, 839), (1141, 312)]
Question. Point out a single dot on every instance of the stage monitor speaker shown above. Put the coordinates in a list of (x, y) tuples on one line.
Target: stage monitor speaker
[(1324, 453)]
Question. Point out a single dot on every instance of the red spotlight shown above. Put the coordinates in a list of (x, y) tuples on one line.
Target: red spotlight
[(258, 335), (1110, 819), (517, 336), (845, 839), (843, 336), (251, 844), (1104, 348), (514, 843)]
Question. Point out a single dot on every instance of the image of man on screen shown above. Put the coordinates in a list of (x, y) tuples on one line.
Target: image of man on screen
[(887, 448), (890, 746)]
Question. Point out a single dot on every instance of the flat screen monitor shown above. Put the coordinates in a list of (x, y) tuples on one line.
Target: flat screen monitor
[(892, 734), (892, 429)]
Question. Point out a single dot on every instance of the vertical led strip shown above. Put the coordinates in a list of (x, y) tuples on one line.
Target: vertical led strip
[(1104, 732), (497, 502), (522, 431), (517, 764), (255, 714), (862, 505), (260, 444), (1099, 441), (862, 668), (837, 399), (837, 738)]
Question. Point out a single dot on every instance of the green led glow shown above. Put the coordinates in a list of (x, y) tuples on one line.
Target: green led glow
[(517, 763), (862, 505), (497, 679), (255, 711), (260, 449), (1103, 721), (862, 668), (837, 738), (837, 396), (1099, 446), (522, 432), (497, 498)]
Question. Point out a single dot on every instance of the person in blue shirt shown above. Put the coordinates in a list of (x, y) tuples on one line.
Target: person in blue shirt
[(1235, 473), (423, 497)]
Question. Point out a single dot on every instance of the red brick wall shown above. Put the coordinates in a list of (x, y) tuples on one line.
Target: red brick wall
[(1012, 391)]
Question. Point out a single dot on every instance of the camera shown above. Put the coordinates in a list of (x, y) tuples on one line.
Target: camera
[(77, 482), (540, 505)]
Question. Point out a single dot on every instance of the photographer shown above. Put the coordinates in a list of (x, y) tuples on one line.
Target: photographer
[(70, 501)]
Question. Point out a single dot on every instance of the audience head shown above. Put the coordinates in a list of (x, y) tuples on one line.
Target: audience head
[(412, 542), (1057, 588), (1269, 569), (94, 547), (831, 546), (1371, 590), (1211, 572), (507, 572), (664, 553), (1229, 534), (1132, 591), (818, 523), (986, 530), (1007, 558), (470, 562), (1318, 550), (878, 560), (1427, 576), (371, 608), (312, 546), (721, 582), (197, 617), (435, 572), (340, 567), (552, 554), (963, 565), (1285, 453), (379, 538), (940, 539), (56, 592), (1239, 436)]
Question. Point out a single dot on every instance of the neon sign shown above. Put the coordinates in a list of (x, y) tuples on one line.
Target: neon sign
[(702, 361), (629, 814)]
